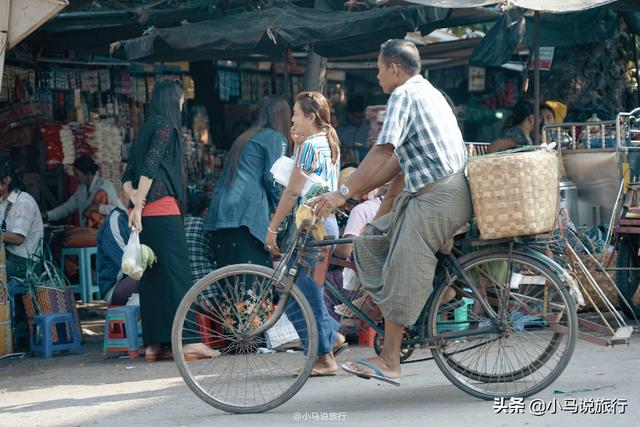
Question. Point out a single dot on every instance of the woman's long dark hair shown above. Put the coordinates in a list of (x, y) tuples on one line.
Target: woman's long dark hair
[(521, 111), (165, 101), (275, 114), (316, 103)]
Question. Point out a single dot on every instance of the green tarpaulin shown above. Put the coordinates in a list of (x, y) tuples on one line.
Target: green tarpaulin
[(556, 6), (270, 32), (569, 29)]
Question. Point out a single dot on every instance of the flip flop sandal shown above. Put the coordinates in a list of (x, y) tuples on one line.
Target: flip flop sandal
[(377, 375), (344, 310), (339, 348), (316, 373), (156, 357), (191, 356)]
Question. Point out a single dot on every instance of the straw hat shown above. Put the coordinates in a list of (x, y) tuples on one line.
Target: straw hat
[(344, 175)]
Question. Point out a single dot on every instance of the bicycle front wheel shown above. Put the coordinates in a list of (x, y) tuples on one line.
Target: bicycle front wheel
[(537, 316), (247, 373)]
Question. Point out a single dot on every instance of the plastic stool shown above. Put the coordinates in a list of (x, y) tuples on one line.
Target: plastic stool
[(20, 329), (86, 288), (206, 330), (122, 332), (42, 340), (367, 335), (460, 317)]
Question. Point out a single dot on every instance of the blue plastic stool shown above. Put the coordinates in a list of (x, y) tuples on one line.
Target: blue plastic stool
[(42, 340), (122, 331), (18, 320), (460, 317), (86, 288)]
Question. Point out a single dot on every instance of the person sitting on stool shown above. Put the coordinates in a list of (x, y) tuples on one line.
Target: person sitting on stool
[(22, 228), (115, 287), (95, 197)]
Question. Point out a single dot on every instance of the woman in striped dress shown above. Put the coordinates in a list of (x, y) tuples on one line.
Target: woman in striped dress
[(319, 154)]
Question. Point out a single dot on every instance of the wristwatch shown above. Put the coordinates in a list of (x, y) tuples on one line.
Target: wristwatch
[(344, 190)]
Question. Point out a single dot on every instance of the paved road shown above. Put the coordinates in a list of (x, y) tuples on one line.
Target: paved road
[(87, 391)]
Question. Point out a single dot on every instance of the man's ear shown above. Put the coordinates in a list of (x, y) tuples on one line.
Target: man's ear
[(395, 69)]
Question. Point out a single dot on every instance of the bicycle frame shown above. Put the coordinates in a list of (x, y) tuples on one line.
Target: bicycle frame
[(288, 280), (422, 339), (301, 242)]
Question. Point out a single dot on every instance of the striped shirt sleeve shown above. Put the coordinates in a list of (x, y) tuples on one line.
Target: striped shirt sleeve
[(306, 159)]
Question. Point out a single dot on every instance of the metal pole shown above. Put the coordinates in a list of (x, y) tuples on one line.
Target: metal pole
[(536, 78), (315, 63), (635, 58), (313, 72), (5, 6), (287, 80)]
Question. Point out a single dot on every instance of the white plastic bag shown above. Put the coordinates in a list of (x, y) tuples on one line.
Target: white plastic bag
[(283, 332), (132, 257), (134, 299), (282, 170), (350, 280)]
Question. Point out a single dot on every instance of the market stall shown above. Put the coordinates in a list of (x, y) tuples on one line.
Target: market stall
[(83, 105)]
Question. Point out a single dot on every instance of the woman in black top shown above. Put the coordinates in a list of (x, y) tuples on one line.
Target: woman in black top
[(155, 182)]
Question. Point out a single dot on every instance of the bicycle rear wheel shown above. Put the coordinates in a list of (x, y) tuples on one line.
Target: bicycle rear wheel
[(252, 373), (536, 312)]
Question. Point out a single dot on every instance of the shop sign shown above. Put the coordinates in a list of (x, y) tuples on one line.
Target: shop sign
[(477, 77), (546, 58)]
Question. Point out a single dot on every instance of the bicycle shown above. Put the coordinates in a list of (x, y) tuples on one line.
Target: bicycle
[(500, 322)]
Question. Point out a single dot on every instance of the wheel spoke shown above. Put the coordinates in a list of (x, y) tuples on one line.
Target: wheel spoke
[(527, 355), (247, 376)]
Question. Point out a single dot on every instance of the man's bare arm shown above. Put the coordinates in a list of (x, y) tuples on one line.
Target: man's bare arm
[(389, 171), (395, 188), (373, 171)]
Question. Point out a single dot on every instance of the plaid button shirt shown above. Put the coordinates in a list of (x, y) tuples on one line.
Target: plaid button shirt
[(200, 248), (424, 131)]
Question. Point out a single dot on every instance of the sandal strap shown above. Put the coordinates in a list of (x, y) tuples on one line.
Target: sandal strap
[(371, 366)]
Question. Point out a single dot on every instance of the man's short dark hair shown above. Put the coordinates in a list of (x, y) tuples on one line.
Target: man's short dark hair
[(6, 170), (86, 165), (403, 53)]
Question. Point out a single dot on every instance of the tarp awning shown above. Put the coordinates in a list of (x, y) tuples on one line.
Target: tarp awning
[(568, 29), (555, 6), (271, 31)]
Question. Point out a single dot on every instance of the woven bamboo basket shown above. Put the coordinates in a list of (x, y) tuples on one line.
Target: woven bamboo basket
[(6, 340), (603, 282), (514, 194), (50, 301), (600, 277)]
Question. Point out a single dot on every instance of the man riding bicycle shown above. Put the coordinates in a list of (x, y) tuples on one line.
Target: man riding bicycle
[(420, 144)]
